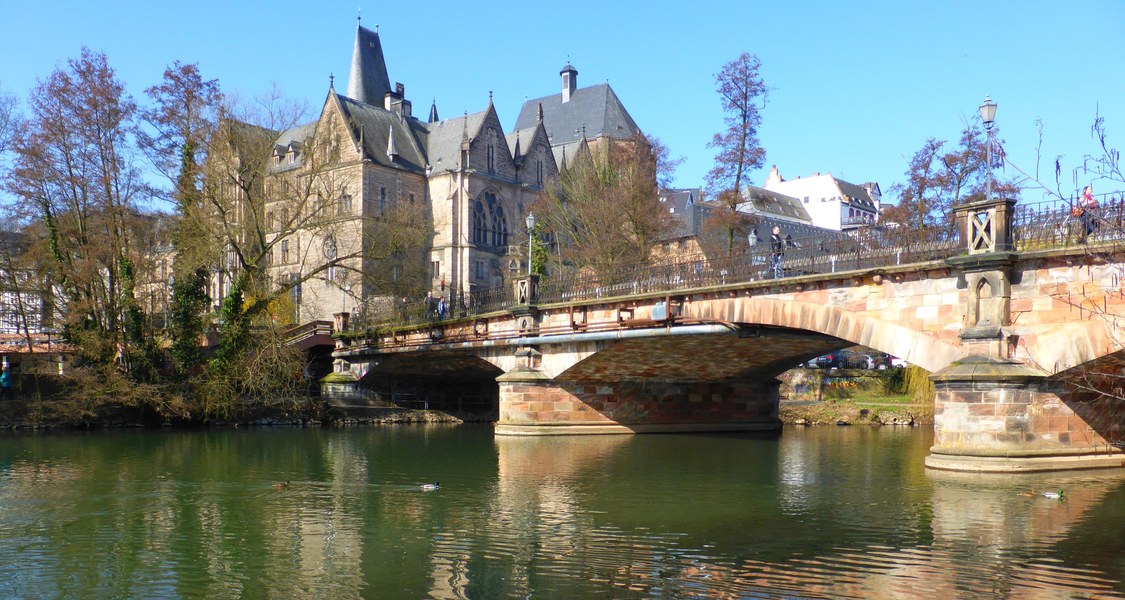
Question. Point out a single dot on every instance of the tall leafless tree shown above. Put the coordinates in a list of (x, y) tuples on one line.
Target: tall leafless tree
[(743, 94)]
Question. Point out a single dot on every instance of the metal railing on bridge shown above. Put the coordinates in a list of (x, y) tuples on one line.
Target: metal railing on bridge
[(1035, 226)]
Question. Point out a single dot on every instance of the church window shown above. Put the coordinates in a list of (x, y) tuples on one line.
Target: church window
[(539, 172), (499, 227), (382, 200), (345, 203), (284, 251), (491, 156), (480, 224)]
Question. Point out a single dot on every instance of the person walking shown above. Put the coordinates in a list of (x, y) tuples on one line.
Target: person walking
[(5, 384), (1089, 211), (777, 247)]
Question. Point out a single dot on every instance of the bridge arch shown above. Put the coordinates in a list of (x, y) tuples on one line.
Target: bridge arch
[(917, 347)]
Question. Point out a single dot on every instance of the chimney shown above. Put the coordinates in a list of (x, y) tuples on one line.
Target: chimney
[(395, 101), (569, 81)]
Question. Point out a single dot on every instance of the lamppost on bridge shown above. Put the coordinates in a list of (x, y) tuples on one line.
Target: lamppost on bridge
[(988, 115), (530, 239)]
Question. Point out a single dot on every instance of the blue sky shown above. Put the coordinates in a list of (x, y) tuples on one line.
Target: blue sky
[(856, 90)]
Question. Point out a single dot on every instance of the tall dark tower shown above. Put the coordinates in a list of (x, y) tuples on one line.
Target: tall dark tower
[(368, 81)]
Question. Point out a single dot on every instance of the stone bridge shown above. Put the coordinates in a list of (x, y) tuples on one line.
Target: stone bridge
[(1023, 340)]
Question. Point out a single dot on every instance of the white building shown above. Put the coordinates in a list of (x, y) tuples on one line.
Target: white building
[(830, 202)]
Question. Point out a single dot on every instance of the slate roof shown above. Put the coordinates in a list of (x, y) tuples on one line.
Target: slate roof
[(769, 203), (368, 81), (597, 108), (680, 203), (377, 124), (858, 194), (524, 137), (443, 142)]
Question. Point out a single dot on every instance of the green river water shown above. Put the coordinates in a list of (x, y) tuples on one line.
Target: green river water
[(830, 512)]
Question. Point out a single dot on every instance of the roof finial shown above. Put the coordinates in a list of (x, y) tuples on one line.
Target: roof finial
[(358, 15), (490, 96), (331, 80)]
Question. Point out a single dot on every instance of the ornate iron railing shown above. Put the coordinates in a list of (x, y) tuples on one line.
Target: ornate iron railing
[(831, 253), (1059, 224), (1035, 226)]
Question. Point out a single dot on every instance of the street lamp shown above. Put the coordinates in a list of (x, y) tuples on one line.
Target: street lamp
[(530, 239), (988, 115)]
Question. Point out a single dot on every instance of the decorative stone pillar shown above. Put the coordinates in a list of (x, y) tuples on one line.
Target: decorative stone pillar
[(993, 415), (527, 290), (340, 321), (986, 229), (526, 310)]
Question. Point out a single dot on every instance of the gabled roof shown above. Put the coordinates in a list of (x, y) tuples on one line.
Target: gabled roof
[(374, 125), (766, 202), (597, 108), (858, 194), (368, 81), (680, 203), (443, 141)]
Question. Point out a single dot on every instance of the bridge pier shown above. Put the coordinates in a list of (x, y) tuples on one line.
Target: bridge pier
[(994, 415), (531, 403)]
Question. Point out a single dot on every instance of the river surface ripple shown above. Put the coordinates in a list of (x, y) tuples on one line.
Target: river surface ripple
[(831, 512)]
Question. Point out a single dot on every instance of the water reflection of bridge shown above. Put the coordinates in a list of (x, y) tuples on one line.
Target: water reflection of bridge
[(1014, 319)]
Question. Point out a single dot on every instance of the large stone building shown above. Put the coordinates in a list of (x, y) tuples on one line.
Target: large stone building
[(379, 169)]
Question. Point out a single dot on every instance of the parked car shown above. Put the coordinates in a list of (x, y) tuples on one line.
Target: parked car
[(883, 361), (850, 359), (843, 359)]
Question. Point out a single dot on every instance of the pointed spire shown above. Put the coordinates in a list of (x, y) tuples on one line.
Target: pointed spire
[(368, 81), (433, 112), (392, 153), (562, 166), (362, 144), (516, 150), (539, 113)]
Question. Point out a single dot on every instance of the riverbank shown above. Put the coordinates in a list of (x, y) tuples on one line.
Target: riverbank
[(848, 412)]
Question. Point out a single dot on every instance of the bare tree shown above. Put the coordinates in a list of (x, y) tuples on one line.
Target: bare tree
[(10, 121), (75, 173), (605, 210), (937, 179), (741, 89)]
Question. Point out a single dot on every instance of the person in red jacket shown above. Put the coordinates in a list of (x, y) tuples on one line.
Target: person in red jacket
[(1089, 207)]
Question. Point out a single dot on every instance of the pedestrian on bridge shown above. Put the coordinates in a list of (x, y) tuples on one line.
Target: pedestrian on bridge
[(1089, 211), (777, 247), (5, 384)]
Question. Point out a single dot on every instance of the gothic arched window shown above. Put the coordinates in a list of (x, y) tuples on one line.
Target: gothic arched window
[(499, 227), (480, 224)]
